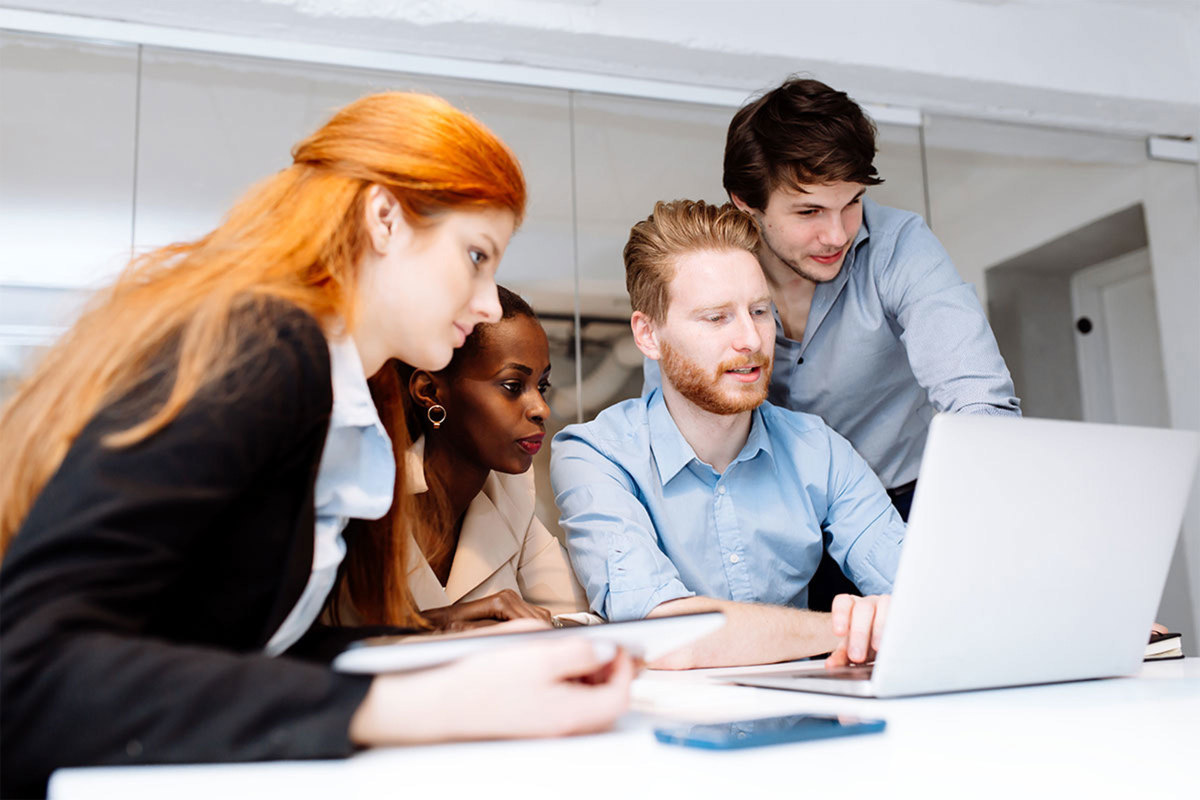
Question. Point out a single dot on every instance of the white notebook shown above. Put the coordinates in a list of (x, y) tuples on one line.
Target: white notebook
[(648, 639)]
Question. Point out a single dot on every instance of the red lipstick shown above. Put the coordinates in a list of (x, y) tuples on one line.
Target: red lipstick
[(531, 444)]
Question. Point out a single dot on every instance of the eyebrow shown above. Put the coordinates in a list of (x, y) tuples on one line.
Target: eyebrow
[(766, 298), (492, 243), (518, 367), (861, 192)]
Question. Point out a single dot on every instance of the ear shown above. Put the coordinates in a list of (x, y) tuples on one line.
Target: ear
[(742, 205), (384, 219), (423, 388), (645, 335)]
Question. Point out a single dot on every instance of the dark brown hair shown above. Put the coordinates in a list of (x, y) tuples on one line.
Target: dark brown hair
[(803, 132), (674, 229)]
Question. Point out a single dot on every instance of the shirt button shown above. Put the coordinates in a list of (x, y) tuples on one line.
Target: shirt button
[(800, 360), (720, 490), (734, 558)]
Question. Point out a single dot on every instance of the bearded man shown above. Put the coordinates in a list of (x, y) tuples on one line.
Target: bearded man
[(703, 496)]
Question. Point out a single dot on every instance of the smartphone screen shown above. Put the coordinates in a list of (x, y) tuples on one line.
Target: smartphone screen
[(770, 730)]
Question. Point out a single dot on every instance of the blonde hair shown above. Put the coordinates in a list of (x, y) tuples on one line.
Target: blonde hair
[(674, 229), (299, 236)]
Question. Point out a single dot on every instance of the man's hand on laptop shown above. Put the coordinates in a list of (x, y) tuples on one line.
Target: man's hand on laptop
[(858, 621)]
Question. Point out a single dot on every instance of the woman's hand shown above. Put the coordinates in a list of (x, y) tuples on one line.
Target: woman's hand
[(503, 605), (533, 690)]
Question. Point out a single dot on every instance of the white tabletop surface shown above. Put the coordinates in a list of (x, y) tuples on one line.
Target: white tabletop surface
[(1108, 738)]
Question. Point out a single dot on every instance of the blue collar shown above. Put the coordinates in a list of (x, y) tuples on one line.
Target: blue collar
[(672, 452), (352, 404), (864, 230)]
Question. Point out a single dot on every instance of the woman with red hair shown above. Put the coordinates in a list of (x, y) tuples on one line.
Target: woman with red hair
[(179, 469)]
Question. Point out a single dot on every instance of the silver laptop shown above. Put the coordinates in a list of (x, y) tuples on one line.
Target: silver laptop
[(1036, 552)]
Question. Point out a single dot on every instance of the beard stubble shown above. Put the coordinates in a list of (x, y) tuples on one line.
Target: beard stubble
[(704, 387)]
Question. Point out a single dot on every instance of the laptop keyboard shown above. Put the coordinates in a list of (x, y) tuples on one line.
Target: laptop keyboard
[(859, 672)]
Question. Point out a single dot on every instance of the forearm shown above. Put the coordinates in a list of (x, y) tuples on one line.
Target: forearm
[(554, 688), (436, 705), (752, 634)]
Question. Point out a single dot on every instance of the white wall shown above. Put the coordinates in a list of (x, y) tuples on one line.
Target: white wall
[(1095, 64)]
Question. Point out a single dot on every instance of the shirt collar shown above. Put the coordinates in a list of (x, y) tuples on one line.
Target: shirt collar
[(672, 452), (864, 230), (758, 440), (352, 403), (358, 467)]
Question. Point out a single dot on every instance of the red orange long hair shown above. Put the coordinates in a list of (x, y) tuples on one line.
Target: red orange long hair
[(299, 236)]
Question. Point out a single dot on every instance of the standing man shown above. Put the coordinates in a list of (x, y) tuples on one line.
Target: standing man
[(874, 329), (700, 495)]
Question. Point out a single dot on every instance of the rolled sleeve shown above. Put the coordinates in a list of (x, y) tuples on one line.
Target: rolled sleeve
[(865, 530), (610, 535)]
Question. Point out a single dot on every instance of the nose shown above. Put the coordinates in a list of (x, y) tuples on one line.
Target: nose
[(748, 338), (486, 303), (538, 410), (834, 231)]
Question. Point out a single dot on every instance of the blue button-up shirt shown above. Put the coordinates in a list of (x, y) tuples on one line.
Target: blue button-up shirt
[(647, 521), (894, 338)]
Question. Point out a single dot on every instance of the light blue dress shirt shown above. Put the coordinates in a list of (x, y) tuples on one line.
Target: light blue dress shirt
[(647, 521), (894, 338), (355, 479)]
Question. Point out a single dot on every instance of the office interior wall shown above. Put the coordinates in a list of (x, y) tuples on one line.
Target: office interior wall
[(73, 114), (1030, 312), (1031, 309)]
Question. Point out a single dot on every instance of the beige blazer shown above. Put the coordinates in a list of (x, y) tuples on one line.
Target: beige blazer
[(503, 545)]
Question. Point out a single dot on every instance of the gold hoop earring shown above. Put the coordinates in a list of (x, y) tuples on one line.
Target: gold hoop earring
[(441, 415)]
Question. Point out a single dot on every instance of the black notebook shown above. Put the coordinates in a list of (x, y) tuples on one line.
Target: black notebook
[(1164, 646)]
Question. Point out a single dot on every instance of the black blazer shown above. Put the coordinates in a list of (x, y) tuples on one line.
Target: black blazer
[(139, 592)]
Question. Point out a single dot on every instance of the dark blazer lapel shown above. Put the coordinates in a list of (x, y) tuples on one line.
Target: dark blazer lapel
[(297, 568)]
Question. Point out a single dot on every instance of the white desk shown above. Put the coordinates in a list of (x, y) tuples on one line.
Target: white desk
[(1126, 737)]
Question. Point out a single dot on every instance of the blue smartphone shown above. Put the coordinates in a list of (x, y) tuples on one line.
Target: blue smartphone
[(770, 730)]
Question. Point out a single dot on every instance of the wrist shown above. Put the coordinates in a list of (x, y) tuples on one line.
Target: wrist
[(406, 709)]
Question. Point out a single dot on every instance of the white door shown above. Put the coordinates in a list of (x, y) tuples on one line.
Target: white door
[(1117, 339)]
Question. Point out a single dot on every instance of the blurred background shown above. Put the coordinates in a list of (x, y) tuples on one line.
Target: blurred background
[(1050, 144)]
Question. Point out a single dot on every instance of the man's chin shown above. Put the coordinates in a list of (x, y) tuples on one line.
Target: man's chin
[(815, 271), (727, 403), (715, 393)]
